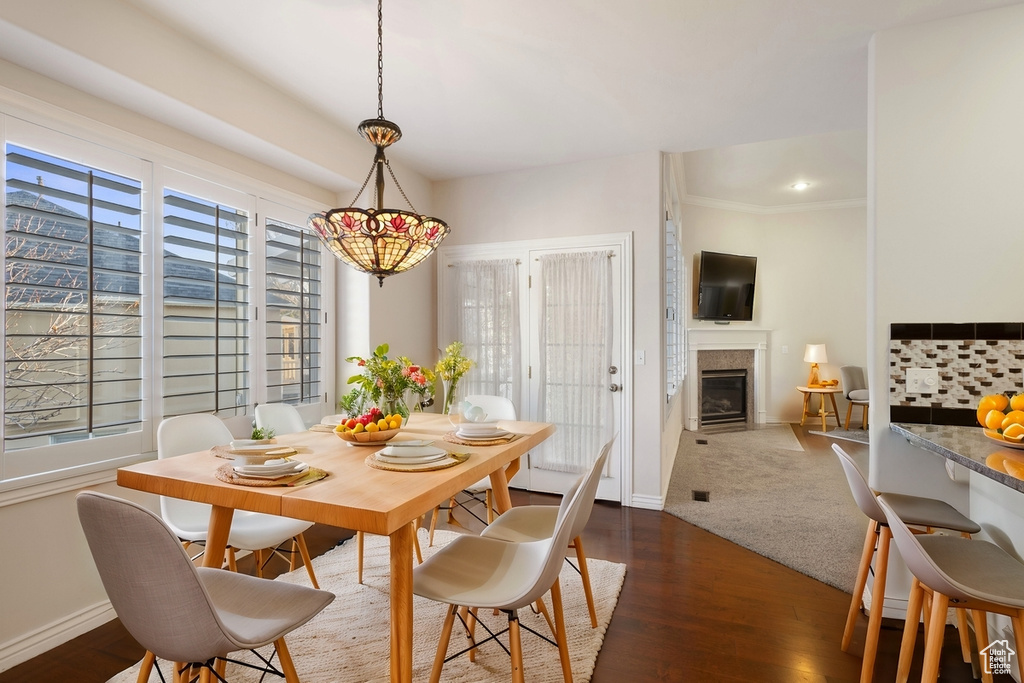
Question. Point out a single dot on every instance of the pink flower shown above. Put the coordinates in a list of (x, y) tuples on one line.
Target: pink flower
[(414, 368), (419, 378), (361, 363), (406, 372)]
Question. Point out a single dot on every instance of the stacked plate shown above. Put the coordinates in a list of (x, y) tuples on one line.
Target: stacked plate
[(480, 431), (271, 469), (401, 453)]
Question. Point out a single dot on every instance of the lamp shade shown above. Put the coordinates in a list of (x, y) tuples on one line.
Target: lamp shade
[(815, 353)]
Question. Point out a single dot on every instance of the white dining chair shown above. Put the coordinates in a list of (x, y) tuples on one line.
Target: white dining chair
[(252, 531), (497, 408), (281, 417), (476, 572)]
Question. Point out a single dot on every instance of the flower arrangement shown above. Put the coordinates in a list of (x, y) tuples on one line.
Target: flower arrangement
[(452, 366), (384, 382)]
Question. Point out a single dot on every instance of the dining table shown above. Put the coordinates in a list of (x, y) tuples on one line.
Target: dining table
[(354, 495)]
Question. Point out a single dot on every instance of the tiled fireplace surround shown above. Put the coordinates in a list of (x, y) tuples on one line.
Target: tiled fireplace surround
[(727, 349), (973, 359)]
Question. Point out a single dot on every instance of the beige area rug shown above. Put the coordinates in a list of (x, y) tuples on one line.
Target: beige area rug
[(778, 500), (348, 641)]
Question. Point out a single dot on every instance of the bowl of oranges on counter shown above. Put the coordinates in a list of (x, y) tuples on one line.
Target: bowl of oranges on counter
[(1003, 418), (373, 427)]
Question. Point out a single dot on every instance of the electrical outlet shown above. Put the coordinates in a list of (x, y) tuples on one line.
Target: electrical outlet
[(922, 380), (785, 349)]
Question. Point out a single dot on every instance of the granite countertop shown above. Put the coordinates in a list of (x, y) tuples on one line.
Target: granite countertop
[(967, 446)]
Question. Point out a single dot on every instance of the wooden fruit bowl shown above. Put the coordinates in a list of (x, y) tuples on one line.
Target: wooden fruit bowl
[(368, 437)]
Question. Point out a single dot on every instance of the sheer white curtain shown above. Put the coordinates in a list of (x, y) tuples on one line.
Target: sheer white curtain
[(575, 354), (486, 320)]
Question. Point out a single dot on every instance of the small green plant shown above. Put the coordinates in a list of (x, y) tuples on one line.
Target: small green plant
[(260, 433)]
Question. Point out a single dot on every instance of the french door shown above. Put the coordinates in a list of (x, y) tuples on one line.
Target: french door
[(572, 304)]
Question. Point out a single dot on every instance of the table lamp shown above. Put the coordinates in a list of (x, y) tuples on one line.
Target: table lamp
[(814, 354)]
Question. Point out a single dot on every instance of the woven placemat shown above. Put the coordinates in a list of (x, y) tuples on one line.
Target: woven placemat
[(226, 473), (451, 436), (452, 460), (321, 428)]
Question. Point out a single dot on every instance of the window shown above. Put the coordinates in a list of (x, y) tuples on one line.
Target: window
[(674, 346), (206, 306), (72, 301), (134, 292), (293, 314)]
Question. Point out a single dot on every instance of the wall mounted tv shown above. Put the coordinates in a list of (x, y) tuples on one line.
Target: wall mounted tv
[(725, 289)]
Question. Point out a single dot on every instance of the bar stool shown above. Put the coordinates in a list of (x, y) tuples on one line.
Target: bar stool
[(972, 574), (924, 512)]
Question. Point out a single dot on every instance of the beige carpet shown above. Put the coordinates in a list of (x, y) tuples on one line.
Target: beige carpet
[(348, 642)]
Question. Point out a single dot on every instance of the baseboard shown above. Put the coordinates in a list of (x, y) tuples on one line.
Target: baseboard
[(647, 502), (29, 645)]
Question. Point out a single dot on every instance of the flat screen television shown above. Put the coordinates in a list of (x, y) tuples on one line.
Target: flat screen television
[(726, 286)]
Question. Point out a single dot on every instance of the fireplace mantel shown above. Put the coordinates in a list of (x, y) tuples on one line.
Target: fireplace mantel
[(710, 339)]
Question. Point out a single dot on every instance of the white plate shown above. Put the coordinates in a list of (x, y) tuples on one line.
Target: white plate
[(249, 446), (411, 443), (268, 466), (299, 468), (479, 426), (406, 460), (480, 436), (333, 420), (412, 451), (264, 472)]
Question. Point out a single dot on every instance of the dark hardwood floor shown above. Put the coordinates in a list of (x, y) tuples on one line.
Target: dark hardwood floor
[(693, 607)]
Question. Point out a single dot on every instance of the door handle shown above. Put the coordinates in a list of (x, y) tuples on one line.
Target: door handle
[(614, 387)]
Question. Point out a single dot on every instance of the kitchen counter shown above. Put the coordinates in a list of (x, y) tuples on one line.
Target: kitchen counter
[(967, 446)]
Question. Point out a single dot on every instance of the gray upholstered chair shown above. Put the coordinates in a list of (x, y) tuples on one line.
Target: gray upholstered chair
[(178, 612), (855, 389), (966, 573), (484, 573), (921, 512)]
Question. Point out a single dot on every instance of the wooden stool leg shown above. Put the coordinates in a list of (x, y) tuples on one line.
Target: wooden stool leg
[(442, 644), (515, 645), (300, 541), (877, 601), (862, 579), (807, 404), (146, 668), (965, 637), (835, 409), (489, 498), (287, 666), (824, 413), (914, 604), (416, 544), (849, 413), (1018, 637), (981, 636), (563, 646), (864, 417), (433, 525), (581, 557), (359, 556), (933, 643)]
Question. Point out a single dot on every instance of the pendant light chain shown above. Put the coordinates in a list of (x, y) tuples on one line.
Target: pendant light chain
[(380, 59)]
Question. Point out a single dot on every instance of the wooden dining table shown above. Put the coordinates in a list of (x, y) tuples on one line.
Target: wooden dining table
[(353, 495)]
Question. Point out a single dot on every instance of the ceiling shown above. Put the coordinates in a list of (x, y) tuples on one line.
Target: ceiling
[(483, 87)]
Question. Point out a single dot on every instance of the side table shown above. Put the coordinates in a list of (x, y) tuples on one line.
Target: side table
[(822, 393)]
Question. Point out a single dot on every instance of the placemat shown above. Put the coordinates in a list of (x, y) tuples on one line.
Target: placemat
[(450, 436), (321, 428), (452, 460), (226, 452), (226, 474)]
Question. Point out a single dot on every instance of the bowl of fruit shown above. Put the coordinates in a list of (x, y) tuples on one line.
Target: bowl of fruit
[(1003, 418), (373, 427)]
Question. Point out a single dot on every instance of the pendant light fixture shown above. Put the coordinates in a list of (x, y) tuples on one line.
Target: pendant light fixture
[(379, 241)]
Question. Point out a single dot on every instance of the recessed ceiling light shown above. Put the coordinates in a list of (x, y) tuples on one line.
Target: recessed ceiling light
[(802, 185)]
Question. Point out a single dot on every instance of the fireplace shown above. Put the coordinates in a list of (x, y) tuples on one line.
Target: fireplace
[(723, 396), (727, 348)]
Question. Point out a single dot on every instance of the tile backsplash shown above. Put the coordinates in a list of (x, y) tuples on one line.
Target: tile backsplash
[(972, 359)]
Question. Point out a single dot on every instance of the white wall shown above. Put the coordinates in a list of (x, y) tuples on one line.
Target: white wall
[(946, 172), (810, 288), (596, 197)]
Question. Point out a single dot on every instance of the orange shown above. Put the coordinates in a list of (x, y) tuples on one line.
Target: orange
[(982, 412), (1017, 402), (993, 401), (994, 419), (1013, 417), (1013, 432)]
